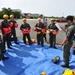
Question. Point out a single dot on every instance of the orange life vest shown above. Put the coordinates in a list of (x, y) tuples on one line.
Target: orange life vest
[(7, 30), (11, 24), (43, 30), (35, 29), (55, 32), (26, 31), (16, 25)]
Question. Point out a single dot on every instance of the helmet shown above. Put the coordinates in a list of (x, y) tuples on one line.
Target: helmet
[(43, 73), (56, 59), (24, 19), (11, 16), (5, 16), (52, 19)]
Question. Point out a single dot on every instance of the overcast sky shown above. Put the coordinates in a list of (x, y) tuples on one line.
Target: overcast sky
[(45, 7)]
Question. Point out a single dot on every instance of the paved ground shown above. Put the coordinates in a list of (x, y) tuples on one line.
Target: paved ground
[(32, 23)]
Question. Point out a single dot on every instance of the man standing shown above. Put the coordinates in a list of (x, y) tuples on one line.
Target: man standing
[(6, 31), (25, 28), (40, 26), (52, 37), (68, 41), (13, 24), (45, 24)]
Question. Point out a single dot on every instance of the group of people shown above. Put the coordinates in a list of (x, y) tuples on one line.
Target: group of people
[(41, 28), (8, 30)]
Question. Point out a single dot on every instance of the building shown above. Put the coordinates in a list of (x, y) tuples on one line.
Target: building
[(19, 10), (30, 15)]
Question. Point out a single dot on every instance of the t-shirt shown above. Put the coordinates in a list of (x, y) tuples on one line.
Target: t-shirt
[(45, 23), (70, 32)]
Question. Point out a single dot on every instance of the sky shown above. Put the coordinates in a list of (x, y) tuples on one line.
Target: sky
[(45, 7)]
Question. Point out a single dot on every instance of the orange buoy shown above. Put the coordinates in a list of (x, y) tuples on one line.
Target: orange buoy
[(43, 30), (33, 40), (55, 32), (35, 29)]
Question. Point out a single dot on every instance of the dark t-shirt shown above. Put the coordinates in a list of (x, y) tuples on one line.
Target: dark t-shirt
[(70, 32), (4, 24), (40, 25), (25, 26)]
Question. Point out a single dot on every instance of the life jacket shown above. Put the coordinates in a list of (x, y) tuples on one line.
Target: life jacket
[(11, 24), (35, 29), (7, 30), (25, 31), (55, 32), (43, 30), (16, 25)]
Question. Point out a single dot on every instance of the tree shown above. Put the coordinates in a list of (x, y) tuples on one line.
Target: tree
[(9, 11), (17, 14), (4, 10), (1, 15), (41, 16)]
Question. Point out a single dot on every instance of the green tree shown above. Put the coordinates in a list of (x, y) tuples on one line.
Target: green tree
[(41, 16), (4, 10), (1, 15), (17, 14), (9, 11)]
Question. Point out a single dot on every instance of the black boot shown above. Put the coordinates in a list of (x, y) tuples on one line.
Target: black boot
[(55, 47), (0, 58), (16, 43), (4, 51), (4, 58), (73, 52), (65, 66), (42, 45), (10, 44), (10, 47)]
